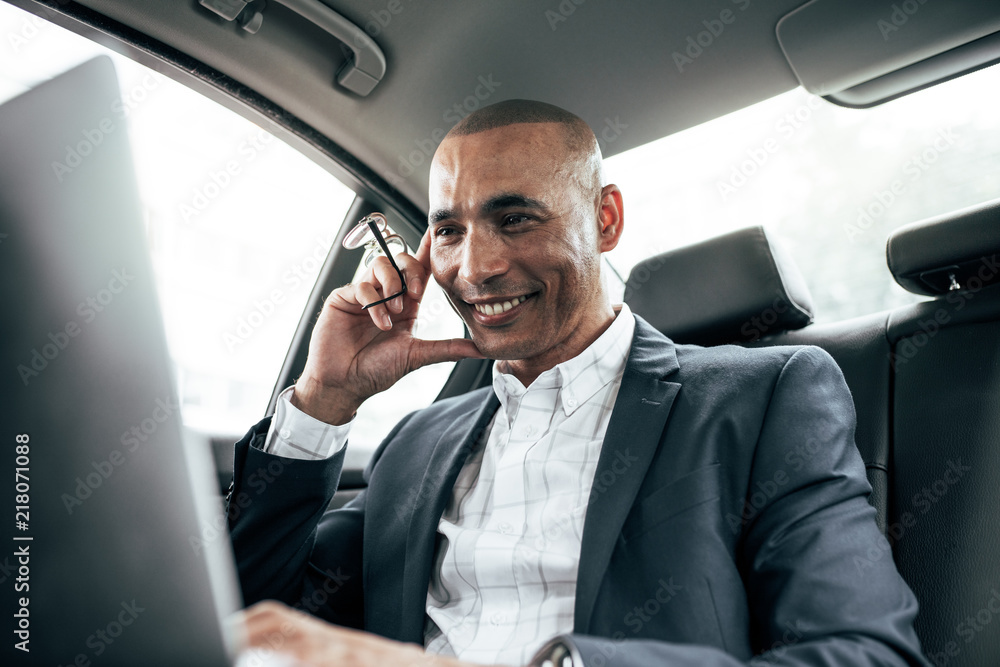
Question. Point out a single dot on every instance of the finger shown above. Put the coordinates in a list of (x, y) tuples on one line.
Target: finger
[(386, 277), (346, 298), (366, 293), (425, 352), (415, 273), (423, 254)]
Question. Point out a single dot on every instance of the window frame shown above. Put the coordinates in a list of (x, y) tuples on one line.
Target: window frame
[(372, 192)]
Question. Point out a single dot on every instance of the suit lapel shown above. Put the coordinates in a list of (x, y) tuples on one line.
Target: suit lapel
[(637, 422), (446, 461)]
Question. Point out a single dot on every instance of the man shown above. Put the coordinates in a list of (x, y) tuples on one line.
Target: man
[(581, 498)]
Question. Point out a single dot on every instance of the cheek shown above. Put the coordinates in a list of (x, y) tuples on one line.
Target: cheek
[(442, 268)]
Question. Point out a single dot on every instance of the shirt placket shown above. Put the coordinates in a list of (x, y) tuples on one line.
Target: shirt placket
[(501, 604)]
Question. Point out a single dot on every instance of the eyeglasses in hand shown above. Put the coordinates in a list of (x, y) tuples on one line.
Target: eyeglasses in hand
[(370, 232)]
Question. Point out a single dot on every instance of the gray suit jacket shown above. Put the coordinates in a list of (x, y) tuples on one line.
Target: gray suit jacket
[(728, 518)]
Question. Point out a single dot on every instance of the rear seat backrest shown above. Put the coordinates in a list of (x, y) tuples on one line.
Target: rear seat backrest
[(741, 288), (926, 385), (945, 497)]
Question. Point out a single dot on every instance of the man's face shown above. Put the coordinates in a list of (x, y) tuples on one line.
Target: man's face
[(515, 241)]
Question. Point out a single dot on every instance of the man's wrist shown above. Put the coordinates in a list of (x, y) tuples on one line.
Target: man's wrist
[(324, 403)]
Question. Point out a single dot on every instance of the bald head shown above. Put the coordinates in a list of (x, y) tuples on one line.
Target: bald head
[(581, 144)]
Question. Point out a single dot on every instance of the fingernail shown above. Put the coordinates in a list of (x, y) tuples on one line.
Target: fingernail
[(387, 321), (397, 304), (416, 286)]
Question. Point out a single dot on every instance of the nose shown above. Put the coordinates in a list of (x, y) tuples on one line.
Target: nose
[(484, 256)]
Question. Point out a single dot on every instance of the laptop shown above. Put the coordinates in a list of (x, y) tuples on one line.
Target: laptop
[(114, 553)]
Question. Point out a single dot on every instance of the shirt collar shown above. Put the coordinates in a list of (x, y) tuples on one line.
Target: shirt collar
[(579, 378)]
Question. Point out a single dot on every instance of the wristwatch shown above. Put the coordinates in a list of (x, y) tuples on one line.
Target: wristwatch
[(557, 653)]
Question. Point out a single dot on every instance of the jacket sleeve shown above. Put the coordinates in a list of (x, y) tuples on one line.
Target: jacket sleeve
[(816, 593)]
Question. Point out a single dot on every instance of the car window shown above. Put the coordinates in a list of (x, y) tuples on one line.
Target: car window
[(238, 223), (830, 182), (238, 226)]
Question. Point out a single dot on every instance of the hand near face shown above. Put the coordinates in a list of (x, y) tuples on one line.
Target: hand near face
[(356, 353), (314, 643)]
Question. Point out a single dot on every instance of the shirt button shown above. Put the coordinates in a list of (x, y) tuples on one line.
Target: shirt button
[(285, 434), (497, 618), (571, 402), (505, 528)]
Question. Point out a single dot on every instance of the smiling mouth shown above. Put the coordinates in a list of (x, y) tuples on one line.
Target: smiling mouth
[(499, 307)]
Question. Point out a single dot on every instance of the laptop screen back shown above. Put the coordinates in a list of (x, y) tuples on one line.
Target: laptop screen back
[(114, 555)]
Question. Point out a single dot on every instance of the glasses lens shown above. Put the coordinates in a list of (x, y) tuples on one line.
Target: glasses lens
[(362, 233), (393, 242)]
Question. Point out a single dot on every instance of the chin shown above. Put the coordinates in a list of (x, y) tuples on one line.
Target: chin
[(508, 350)]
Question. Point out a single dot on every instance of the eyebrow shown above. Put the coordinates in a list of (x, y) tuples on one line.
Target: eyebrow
[(492, 205)]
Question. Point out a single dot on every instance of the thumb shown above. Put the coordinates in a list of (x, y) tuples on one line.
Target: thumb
[(425, 352)]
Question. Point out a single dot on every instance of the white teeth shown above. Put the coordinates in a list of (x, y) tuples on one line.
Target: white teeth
[(501, 307)]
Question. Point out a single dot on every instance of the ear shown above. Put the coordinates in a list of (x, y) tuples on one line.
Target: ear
[(611, 217)]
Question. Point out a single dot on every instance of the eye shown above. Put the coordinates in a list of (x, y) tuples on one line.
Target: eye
[(515, 219), (444, 230)]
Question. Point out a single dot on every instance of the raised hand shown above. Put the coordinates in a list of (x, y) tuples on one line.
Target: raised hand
[(356, 353)]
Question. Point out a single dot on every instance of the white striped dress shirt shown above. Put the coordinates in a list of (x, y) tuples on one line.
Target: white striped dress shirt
[(508, 543)]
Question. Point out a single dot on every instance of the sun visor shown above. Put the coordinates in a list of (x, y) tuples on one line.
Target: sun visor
[(859, 53)]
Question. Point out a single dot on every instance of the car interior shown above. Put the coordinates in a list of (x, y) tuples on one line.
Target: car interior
[(366, 91)]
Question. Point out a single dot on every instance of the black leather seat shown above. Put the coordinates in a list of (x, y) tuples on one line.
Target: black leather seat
[(926, 384)]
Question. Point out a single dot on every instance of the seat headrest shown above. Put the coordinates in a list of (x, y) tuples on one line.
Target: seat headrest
[(733, 288), (957, 251)]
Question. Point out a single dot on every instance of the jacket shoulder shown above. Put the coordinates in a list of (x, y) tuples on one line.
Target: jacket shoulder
[(737, 357)]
